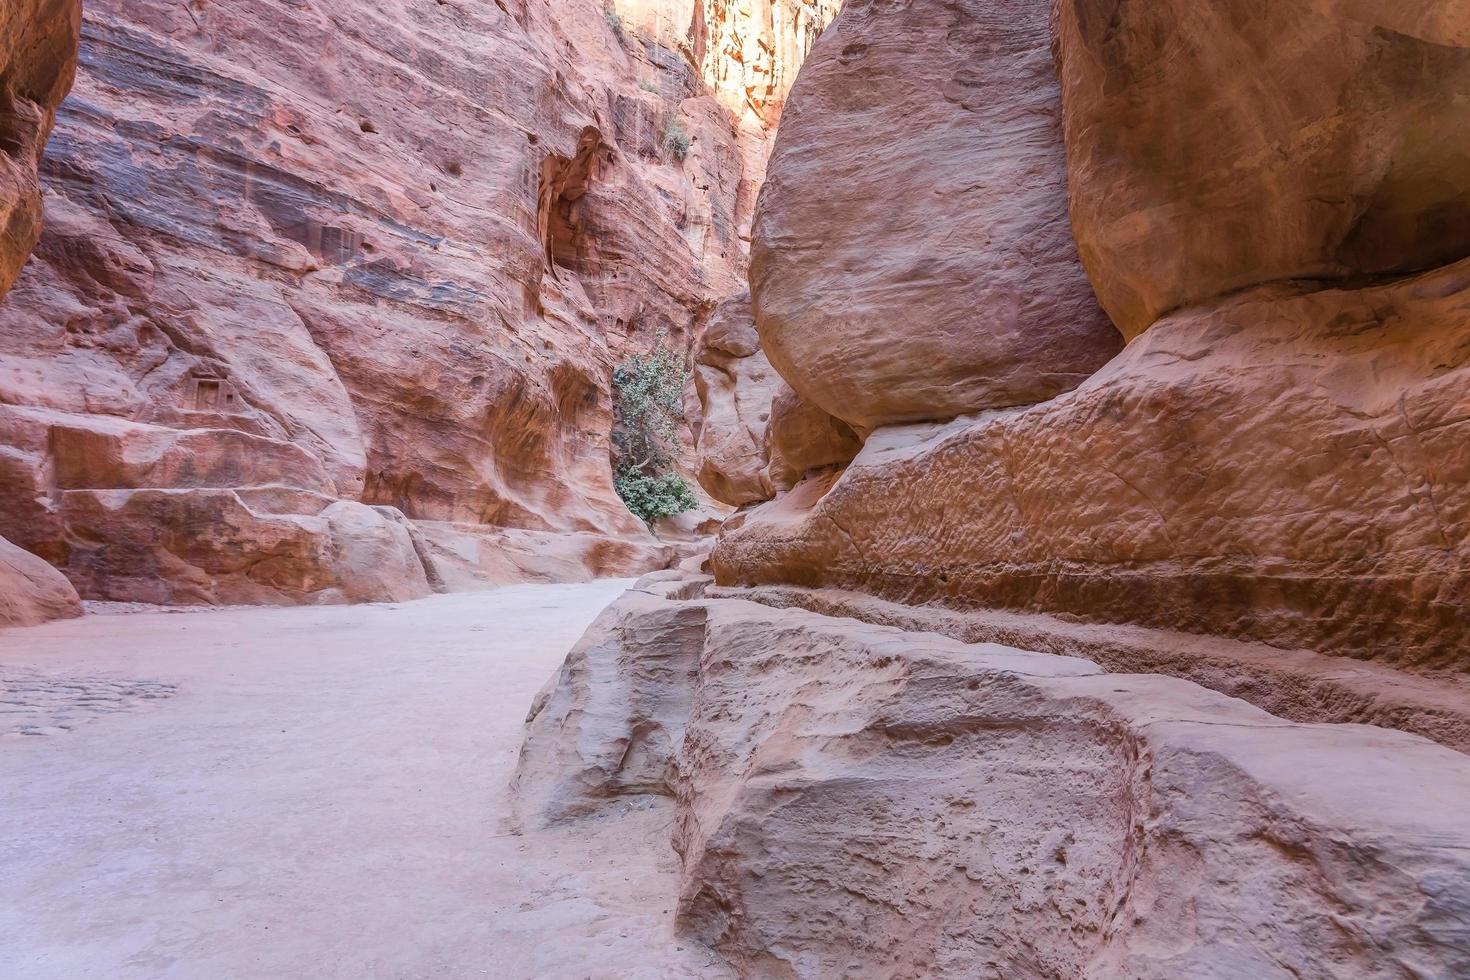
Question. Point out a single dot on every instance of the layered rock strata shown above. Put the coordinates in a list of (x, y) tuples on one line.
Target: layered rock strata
[(38, 58), (271, 249), (856, 800)]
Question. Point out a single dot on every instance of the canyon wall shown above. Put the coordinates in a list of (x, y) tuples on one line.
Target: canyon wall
[(328, 297), (1278, 455), (38, 59)]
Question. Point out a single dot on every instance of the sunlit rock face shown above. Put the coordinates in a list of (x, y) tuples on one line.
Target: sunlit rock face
[(387, 255), (1216, 148), (747, 51)]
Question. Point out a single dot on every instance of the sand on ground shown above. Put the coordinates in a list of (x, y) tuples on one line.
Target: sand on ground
[(316, 793)]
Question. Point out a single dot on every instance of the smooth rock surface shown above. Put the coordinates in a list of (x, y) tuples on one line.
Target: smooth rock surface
[(31, 591), (1213, 148), (912, 257)]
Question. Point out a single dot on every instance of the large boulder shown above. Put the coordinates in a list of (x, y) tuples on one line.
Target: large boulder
[(31, 591), (735, 384), (227, 546), (38, 58), (911, 257), (1217, 146)]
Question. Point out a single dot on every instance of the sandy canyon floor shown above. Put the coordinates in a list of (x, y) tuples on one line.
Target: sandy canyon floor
[(317, 792)]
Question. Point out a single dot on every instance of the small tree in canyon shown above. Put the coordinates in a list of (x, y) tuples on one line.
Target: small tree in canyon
[(648, 390)]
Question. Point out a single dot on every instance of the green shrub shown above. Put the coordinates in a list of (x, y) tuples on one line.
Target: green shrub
[(616, 23), (649, 85), (648, 392), (675, 139), (652, 497)]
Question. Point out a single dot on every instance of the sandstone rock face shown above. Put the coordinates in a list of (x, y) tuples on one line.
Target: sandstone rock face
[(735, 384), (31, 591), (856, 800), (801, 438), (911, 257), (387, 256), (756, 435), (748, 51), (38, 57), (1280, 457), (1288, 467), (1215, 149), (611, 721)]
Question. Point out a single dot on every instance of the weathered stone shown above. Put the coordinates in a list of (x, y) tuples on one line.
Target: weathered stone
[(912, 258), (800, 438), (859, 800), (271, 259), (31, 591), (38, 58), (1216, 148), (211, 546), (735, 384)]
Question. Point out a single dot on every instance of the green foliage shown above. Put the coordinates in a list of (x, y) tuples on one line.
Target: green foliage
[(675, 139), (652, 497), (648, 392), (648, 85), (616, 23)]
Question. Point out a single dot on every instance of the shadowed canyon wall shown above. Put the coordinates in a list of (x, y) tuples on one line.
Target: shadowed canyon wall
[(329, 295)]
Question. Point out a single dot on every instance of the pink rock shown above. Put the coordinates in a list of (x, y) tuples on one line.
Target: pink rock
[(912, 258), (31, 591)]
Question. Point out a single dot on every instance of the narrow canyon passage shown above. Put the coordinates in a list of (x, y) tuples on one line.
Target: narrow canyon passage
[(316, 792)]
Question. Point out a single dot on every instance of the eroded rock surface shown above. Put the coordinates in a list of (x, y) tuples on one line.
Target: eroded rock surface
[(857, 800), (735, 384), (1289, 467), (801, 438), (912, 258), (1280, 457)]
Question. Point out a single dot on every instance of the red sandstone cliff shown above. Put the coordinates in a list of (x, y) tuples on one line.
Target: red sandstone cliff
[(311, 270)]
